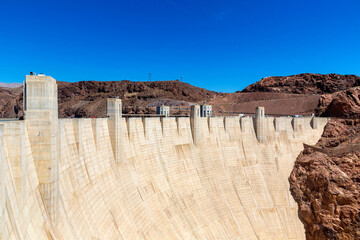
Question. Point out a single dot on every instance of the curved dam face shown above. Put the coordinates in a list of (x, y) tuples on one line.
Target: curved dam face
[(150, 178)]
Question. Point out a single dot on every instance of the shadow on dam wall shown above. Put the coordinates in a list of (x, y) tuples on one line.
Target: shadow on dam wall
[(150, 178)]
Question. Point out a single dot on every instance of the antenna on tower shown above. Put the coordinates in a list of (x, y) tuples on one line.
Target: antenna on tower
[(149, 76)]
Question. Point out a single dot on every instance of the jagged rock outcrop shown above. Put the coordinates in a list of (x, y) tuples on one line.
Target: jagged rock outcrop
[(345, 104), (306, 83), (327, 188)]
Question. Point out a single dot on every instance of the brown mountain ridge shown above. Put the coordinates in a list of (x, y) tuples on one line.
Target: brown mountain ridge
[(306, 83), (302, 94)]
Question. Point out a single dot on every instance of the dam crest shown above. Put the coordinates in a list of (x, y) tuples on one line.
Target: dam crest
[(148, 177)]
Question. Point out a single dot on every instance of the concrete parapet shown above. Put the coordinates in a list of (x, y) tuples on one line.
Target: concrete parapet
[(194, 123), (260, 124)]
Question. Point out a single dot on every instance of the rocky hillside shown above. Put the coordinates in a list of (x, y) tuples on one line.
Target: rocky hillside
[(302, 94), (306, 83), (343, 104), (88, 98), (327, 188)]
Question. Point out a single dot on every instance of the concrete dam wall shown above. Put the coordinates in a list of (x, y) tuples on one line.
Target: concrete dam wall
[(147, 178)]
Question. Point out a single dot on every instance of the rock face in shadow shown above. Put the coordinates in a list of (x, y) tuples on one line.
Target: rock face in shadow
[(345, 104), (306, 83), (327, 188)]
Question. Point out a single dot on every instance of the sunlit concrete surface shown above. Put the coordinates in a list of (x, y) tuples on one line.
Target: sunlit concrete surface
[(144, 178)]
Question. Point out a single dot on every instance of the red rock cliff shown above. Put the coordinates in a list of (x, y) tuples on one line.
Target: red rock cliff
[(327, 188)]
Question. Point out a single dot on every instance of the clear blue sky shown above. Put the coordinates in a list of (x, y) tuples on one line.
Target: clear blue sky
[(216, 44)]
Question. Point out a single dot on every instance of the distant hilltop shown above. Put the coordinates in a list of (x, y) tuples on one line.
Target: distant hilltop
[(10, 85), (305, 83)]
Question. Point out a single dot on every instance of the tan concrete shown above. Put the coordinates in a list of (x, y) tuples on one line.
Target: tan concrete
[(114, 113), (227, 186), (195, 123), (41, 114), (260, 124)]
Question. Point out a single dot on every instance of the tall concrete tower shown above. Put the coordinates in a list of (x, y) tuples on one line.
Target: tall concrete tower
[(41, 115), (114, 113), (260, 124), (195, 123)]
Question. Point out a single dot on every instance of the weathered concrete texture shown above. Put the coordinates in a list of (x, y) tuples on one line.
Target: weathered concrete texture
[(227, 185), (41, 115)]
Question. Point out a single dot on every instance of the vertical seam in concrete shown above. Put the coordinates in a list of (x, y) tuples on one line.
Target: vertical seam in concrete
[(128, 127), (23, 162), (144, 126), (162, 125), (224, 122), (177, 125), (209, 124)]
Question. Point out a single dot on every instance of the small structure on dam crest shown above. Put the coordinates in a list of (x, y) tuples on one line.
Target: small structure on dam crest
[(205, 110), (163, 110)]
